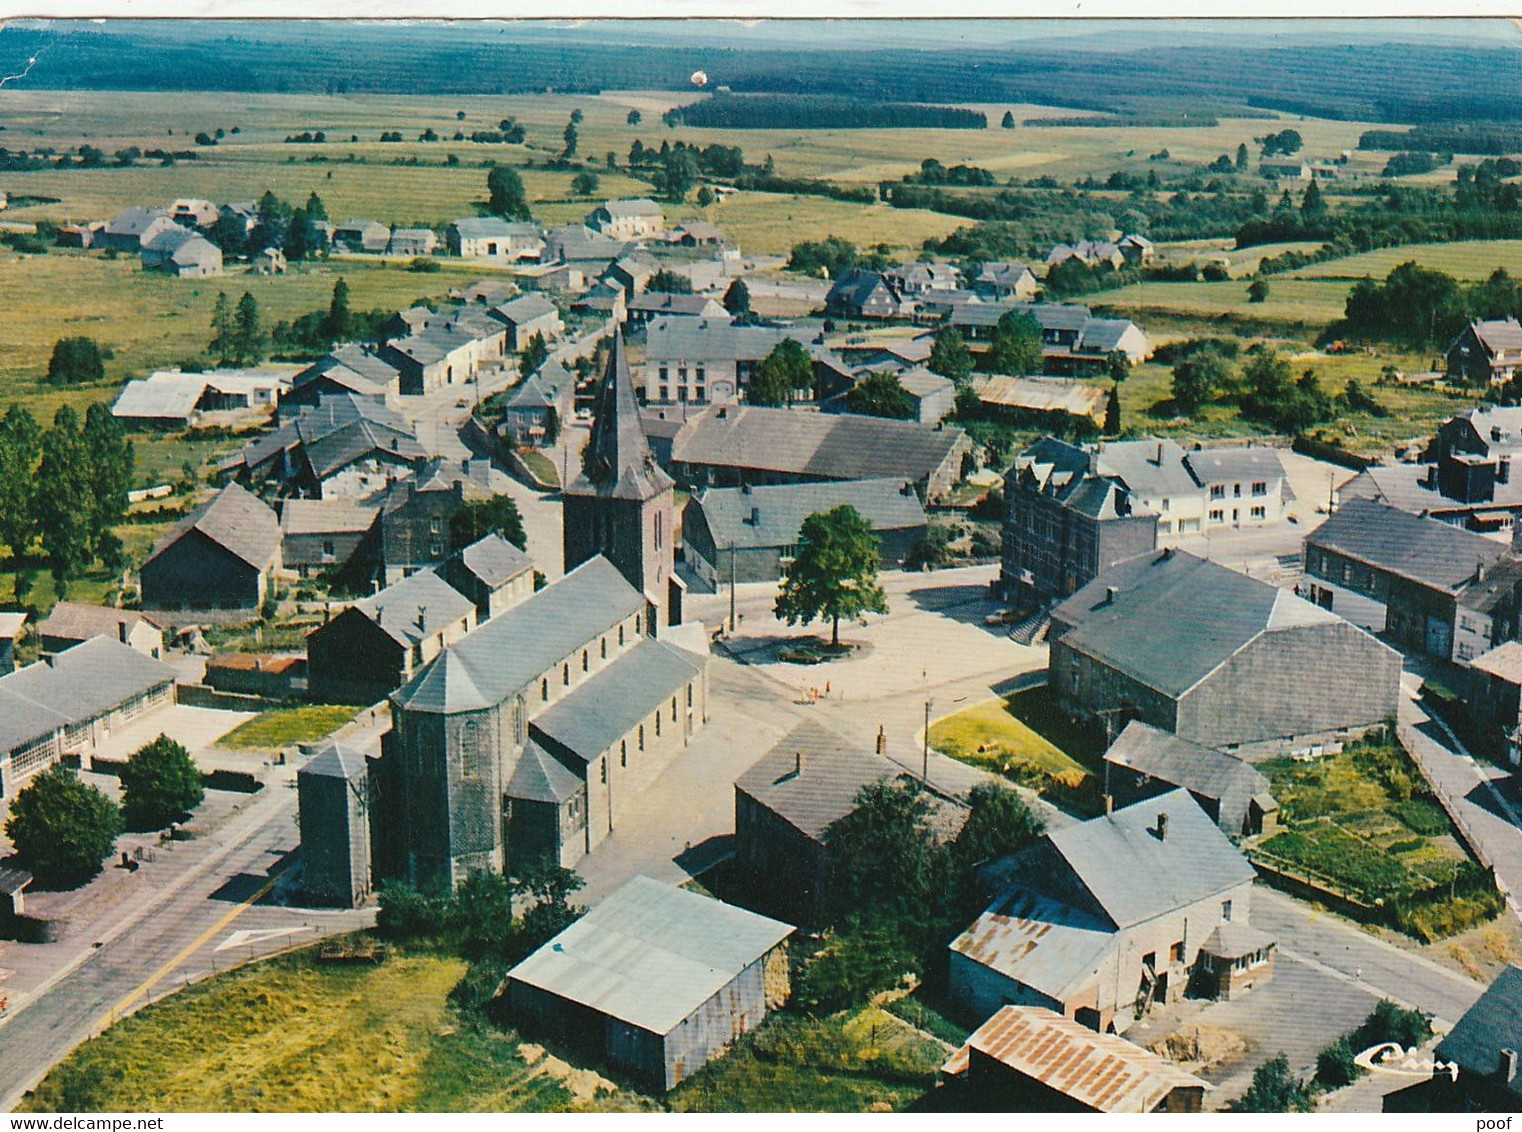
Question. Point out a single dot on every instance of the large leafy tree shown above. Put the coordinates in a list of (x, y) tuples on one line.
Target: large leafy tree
[(20, 452), (1198, 378), (505, 195), (886, 861), (477, 518), (110, 463), (678, 174), (1275, 1089), (787, 370), (834, 573), (881, 395), (998, 823), (535, 354), (63, 828), (950, 356), (76, 360), (160, 784), (64, 510), (737, 298), (1016, 345)]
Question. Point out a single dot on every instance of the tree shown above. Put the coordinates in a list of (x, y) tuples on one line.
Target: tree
[(535, 354), (222, 329), (737, 298), (475, 519), (20, 452), (678, 174), (1198, 378), (666, 281), (1274, 1089), (1117, 366), (998, 823), (505, 195), (881, 395), (1241, 163), (551, 425), (338, 326), (834, 572), (1335, 1065), (110, 462), (248, 334), (1112, 412), (855, 963), (314, 207), (782, 373), (634, 118), (886, 859), (1008, 121), (705, 196), (1312, 205), (1257, 291), (576, 115), (74, 361), (63, 828), (585, 184), (160, 785), (63, 510), (1016, 346), (950, 357), (571, 139)]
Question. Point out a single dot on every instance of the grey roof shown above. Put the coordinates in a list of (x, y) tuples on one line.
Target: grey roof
[(1102, 335), (613, 702), (1499, 334), (917, 381), (79, 684), (495, 561), (134, 221), (365, 362), (1178, 762), (538, 777), (772, 515), (365, 227), (839, 446), (330, 417), (13, 880), (1255, 462), (1175, 618), (1492, 1024), (325, 516), (235, 520), (416, 607), (550, 384), (834, 770), (493, 227), (165, 396), (1405, 486), (859, 284), (11, 624), (336, 760), (1234, 939), (632, 206), (503, 655), (713, 339), (651, 954), (71, 621), (1067, 473), (664, 302), (1149, 467), (616, 462), (1503, 662), (1008, 273), (1423, 550), (524, 309)]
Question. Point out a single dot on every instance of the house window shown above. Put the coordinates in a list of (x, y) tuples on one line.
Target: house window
[(436, 548), (1236, 490), (657, 725), (565, 675), (602, 770), (1176, 952), (583, 660), (689, 695), (328, 549), (603, 644), (665, 374), (701, 374), (623, 752), (636, 624), (641, 737), (673, 709), (1217, 516), (1226, 910), (1259, 513), (1260, 488), (436, 525), (620, 634), (1218, 491), (1165, 505)]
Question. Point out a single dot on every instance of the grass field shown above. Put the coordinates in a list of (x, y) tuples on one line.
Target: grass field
[(770, 223), (989, 735), (1470, 259), (282, 727), (1308, 302)]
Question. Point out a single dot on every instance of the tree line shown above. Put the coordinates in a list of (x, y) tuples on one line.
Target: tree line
[(63, 489), (819, 112)]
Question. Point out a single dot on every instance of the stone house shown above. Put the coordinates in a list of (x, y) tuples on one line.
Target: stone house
[(1493, 694), (413, 241), (492, 238), (491, 572), (862, 293), (1012, 281), (413, 528), (71, 624), (223, 555), (318, 536), (333, 797), (538, 407), (1144, 762), (176, 251), (1486, 353), (628, 219), (361, 236), (527, 316)]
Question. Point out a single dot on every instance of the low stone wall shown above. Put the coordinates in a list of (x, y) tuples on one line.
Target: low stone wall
[(202, 695)]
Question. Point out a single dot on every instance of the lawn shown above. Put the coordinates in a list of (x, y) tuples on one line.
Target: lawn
[(282, 727), (989, 735), (542, 466)]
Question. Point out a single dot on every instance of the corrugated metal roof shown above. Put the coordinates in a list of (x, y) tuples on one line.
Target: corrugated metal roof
[(163, 397), (651, 954), (613, 702), (1045, 395), (767, 516), (1040, 942), (1103, 1072)]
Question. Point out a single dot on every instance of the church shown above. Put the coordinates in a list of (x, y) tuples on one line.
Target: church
[(525, 739)]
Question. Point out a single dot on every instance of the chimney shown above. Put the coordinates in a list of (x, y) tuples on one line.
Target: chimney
[(121, 631), (1508, 1066), (882, 740), (1162, 827), (1109, 804), (1159, 453), (422, 617), (797, 763), (1110, 595), (755, 516), (1503, 470)]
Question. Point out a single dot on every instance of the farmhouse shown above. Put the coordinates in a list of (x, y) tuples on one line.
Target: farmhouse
[(333, 797), (1272, 670), (712, 360), (321, 535), (656, 980), (492, 238), (361, 236), (526, 317), (1137, 249), (661, 304), (348, 369), (861, 293), (1486, 353), (433, 358), (749, 534), (71, 624), (375, 646), (1066, 521), (1435, 588), (534, 410), (223, 555), (732, 445), (919, 278), (413, 241), (629, 219), (1030, 1059), (1010, 281), (1201, 489), (132, 228), (178, 252), (1090, 253), (1145, 762), (64, 707), (1073, 340), (631, 273), (1284, 170), (1099, 944)]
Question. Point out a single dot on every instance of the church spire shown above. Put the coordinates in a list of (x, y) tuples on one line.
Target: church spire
[(617, 461)]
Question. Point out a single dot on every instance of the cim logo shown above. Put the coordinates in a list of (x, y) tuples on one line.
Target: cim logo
[(1392, 1058)]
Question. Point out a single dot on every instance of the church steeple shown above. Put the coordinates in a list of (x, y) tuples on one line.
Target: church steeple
[(617, 462)]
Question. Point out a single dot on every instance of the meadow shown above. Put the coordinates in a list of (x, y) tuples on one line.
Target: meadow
[(1468, 259)]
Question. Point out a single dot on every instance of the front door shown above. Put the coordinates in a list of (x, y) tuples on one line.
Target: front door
[(1439, 638)]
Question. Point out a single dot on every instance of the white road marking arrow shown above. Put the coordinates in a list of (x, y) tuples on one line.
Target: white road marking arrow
[(248, 938)]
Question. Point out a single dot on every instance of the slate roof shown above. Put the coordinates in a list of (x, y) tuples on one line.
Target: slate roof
[(1255, 462), (834, 771), (1006, 273), (714, 339), (857, 285), (616, 462), (23, 721), (538, 777), (1504, 661), (74, 622), (1492, 1024), (651, 954), (495, 561), (493, 228), (503, 655), (632, 206), (613, 701), (1066, 472), (1175, 618), (838, 446), (1178, 762), (1103, 1072), (336, 760), (664, 302), (235, 520), (329, 417), (550, 384), (767, 516), (79, 684), (416, 607), (1422, 550), (525, 309), (325, 516), (134, 221), (1137, 464), (1499, 335)]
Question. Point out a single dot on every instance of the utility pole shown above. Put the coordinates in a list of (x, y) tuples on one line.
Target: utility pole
[(731, 588), (925, 769)]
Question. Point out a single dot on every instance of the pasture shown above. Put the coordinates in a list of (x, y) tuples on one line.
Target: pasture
[(1468, 259), (1309, 302)]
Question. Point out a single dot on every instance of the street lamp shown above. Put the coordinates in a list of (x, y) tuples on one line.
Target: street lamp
[(925, 769)]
